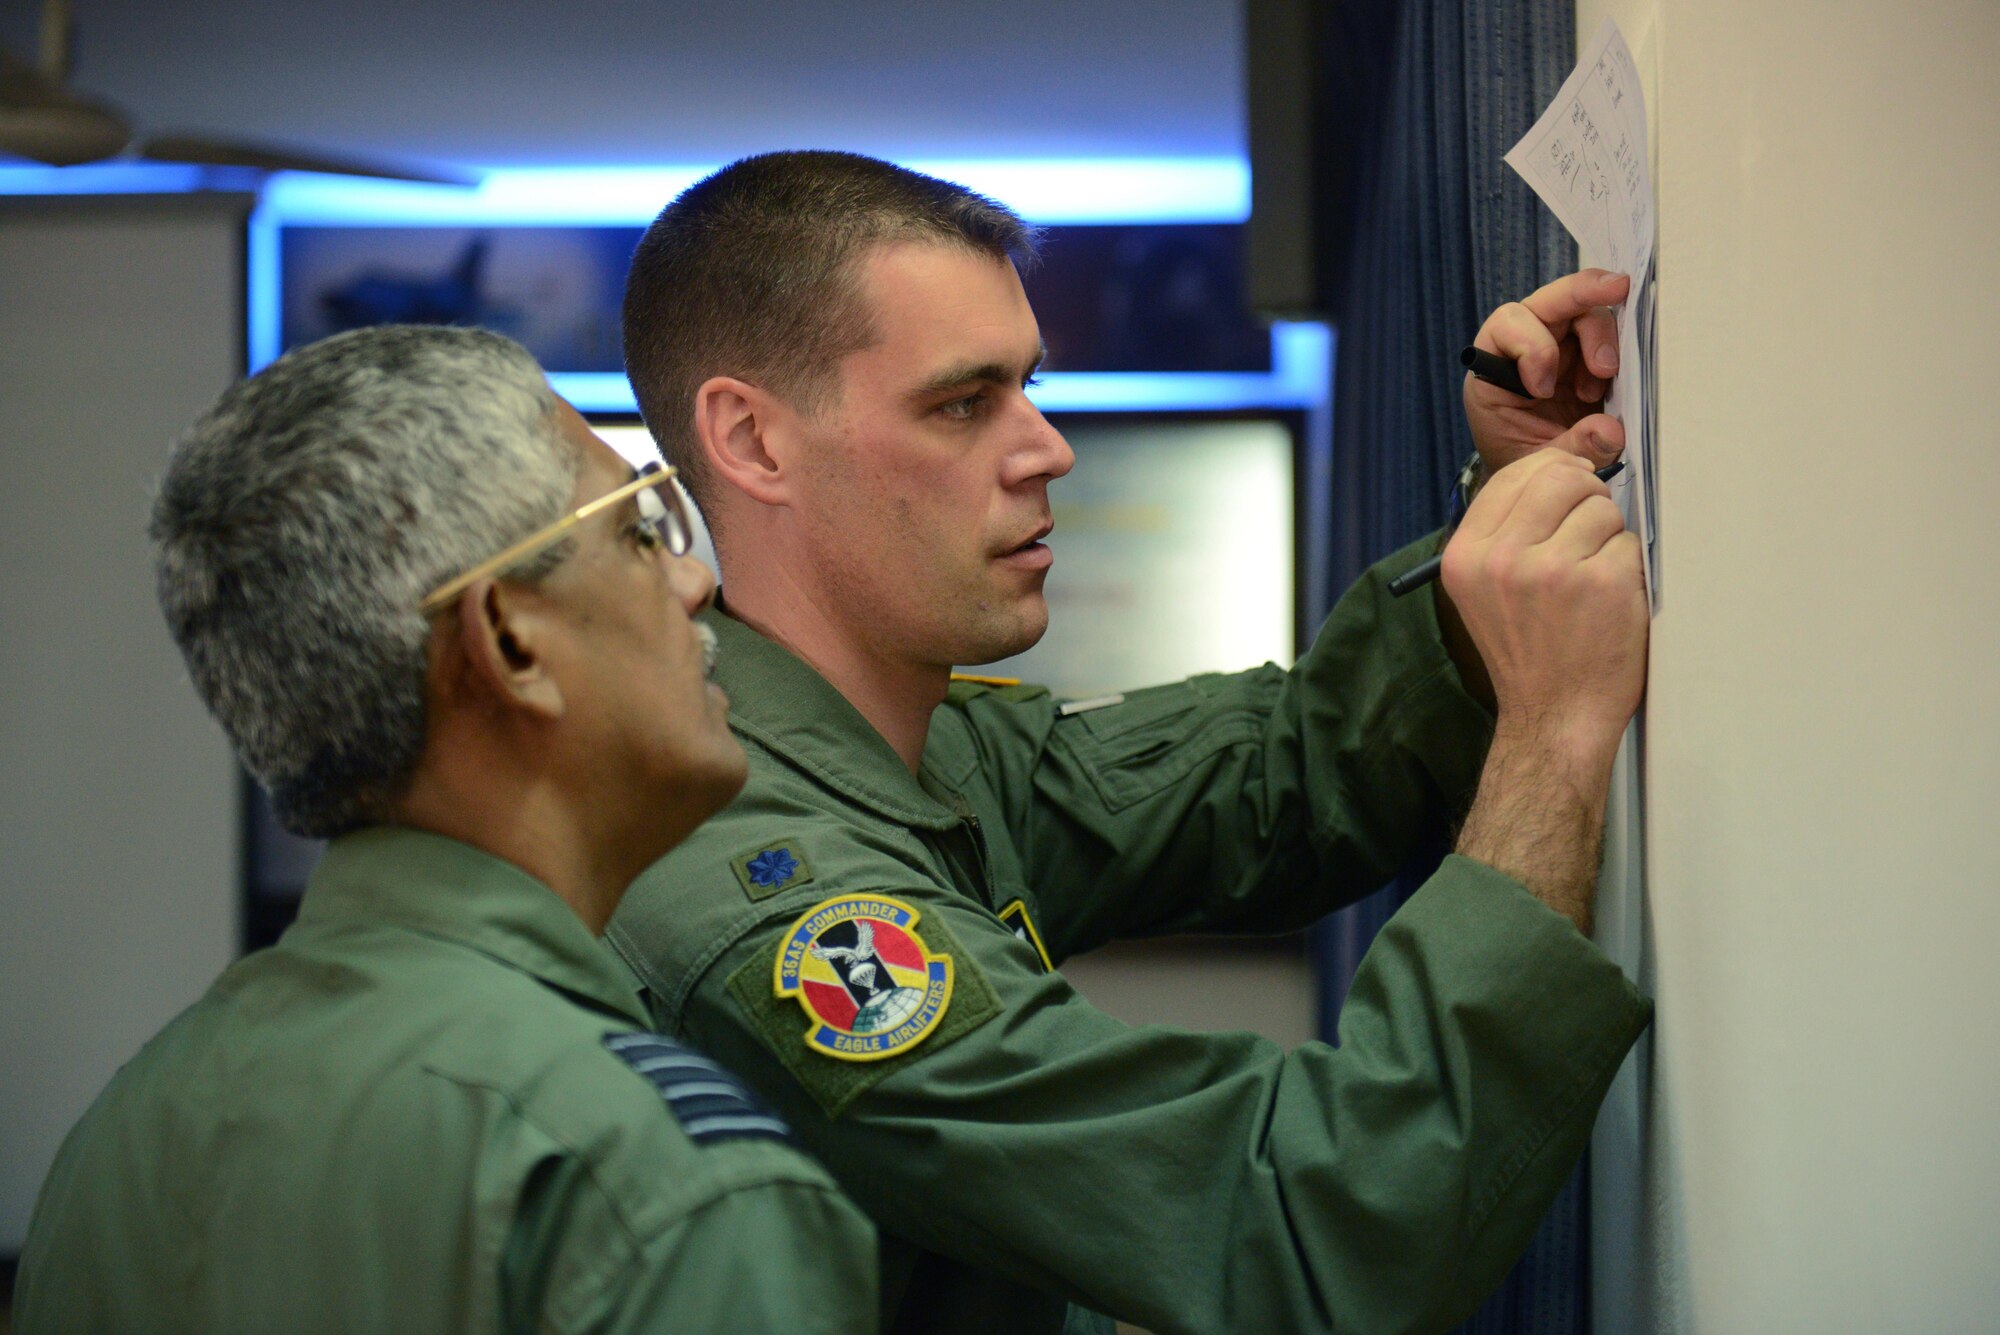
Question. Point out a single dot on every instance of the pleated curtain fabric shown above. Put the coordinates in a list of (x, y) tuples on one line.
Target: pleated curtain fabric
[(1442, 232)]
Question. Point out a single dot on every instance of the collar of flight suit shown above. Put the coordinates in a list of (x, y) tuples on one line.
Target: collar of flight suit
[(442, 888), (797, 715)]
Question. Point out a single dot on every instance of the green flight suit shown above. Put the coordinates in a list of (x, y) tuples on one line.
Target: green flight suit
[(411, 1114), (1026, 1151)]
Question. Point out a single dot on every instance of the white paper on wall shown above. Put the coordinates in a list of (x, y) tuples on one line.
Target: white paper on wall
[(1586, 158)]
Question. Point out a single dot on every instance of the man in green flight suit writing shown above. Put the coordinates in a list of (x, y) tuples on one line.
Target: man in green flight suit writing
[(835, 352), (447, 626)]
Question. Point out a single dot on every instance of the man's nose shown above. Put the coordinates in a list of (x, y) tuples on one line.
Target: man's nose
[(692, 582), (1048, 454)]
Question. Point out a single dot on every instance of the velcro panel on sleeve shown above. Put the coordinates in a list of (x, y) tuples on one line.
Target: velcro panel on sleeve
[(784, 1024)]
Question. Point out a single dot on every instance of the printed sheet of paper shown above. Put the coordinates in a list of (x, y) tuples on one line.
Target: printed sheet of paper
[(1586, 158)]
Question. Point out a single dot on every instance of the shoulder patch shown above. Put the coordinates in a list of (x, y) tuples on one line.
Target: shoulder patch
[(770, 868), (857, 986), (1015, 915), (860, 972), (708, 1102)]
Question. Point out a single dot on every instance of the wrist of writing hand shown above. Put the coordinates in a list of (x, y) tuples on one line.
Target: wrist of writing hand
[(1576, 746), (1539, 817)]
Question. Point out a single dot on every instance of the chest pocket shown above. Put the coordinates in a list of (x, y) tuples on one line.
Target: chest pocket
[(1156, 738)]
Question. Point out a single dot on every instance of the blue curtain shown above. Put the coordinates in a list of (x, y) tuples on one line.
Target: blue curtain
[(1440, 231)]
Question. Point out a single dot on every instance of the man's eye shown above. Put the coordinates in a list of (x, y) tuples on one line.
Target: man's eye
[(647, 537), (964, 409)]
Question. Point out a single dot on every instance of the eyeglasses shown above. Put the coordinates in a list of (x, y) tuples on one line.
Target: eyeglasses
[(661, 515)]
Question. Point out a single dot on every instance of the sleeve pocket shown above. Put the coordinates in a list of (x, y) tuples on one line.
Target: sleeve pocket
[(1156, 738)]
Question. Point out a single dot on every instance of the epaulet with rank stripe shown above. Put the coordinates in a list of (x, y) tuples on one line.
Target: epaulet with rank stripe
[(708, 1102)]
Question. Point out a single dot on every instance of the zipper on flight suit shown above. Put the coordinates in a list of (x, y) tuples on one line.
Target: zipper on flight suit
[(964, 849)]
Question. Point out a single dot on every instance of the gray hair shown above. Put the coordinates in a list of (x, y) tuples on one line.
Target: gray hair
[(305, 516)]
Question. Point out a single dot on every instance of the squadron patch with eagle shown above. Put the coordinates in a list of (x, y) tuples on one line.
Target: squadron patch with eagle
[(863, 978), (858, 986)]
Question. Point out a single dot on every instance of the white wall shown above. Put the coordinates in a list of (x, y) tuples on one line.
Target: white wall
[(118, 323), (1822, 901)]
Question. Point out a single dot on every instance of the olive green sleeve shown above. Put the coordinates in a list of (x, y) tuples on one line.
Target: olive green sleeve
[(1213, 1182), (776, 1258), (1257, 801), (773, 1253)]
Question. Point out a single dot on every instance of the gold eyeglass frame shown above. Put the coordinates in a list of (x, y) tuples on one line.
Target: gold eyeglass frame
[(653, 475)]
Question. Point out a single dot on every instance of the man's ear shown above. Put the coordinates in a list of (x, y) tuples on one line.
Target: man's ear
[(503, 638), (748, 435)]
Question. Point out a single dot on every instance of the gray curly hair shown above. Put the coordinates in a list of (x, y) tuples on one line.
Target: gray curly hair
[(304, 517)]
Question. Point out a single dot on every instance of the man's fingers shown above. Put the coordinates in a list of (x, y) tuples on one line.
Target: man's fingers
[(1598, 438), (1490, 507), (1515, 333), (1623, 554), (1531, 331), (1547, 501), (1597, 334), (1574, 295), (1589, 389), (1507, 490), (1585, 530)]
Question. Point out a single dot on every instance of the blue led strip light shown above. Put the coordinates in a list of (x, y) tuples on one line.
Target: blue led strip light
[(1301, 355), (262, 289), (105, 178), (1051, 191)]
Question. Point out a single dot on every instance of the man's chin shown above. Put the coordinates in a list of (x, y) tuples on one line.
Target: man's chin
[(703, 784), (730, 770), (1024, 632)]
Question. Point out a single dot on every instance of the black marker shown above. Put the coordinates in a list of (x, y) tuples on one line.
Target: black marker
[(1419, 575), (1494, 370)]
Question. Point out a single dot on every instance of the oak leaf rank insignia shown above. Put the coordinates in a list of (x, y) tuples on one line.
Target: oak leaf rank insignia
[(861, 973), (769, 868)]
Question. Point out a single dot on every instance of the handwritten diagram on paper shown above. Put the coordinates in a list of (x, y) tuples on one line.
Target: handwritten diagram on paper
[(1586, 158)]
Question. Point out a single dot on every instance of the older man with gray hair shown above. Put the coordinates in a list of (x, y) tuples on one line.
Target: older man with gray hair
[(450, 629)]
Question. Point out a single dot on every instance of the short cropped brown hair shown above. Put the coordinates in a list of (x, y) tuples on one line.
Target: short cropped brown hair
[(752, 272)]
